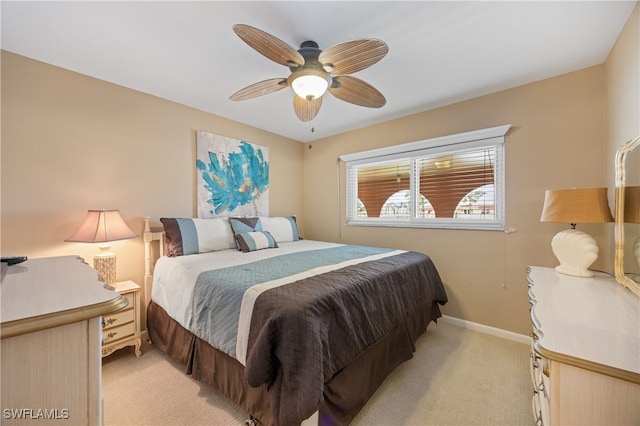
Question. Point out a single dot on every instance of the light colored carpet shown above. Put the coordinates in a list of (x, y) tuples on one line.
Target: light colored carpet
[(457, 377)]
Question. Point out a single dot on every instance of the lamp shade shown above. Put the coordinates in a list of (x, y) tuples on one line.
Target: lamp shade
[(582, 205), (632, 204), (102, 226)]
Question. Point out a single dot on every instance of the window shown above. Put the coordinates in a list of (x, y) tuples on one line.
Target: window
[(454, 181), (398, 205)]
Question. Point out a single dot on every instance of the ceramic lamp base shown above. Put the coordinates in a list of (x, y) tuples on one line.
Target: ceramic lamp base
[(105, 264), (576, 251)]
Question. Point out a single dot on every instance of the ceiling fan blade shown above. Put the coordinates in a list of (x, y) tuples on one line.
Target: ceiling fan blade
[(260, 88), (355, 91), (352, 56), (268, 45), (306, 110)]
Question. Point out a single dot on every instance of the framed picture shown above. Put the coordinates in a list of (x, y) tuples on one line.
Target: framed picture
[(232, 177)]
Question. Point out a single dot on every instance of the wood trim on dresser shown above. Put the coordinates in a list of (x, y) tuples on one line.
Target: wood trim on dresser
[(585, 359), (59, 291), (55, 319), (609, 370), (568, 358), (587, 365)]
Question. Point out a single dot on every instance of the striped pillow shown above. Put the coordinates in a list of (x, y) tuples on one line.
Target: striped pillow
[(256, 240), (241, 225), (245, 224), (193, 236)]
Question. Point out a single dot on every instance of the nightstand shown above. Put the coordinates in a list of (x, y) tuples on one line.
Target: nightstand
[(123, 327)]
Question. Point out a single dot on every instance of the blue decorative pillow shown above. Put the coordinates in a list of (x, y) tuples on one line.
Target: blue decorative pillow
[(191, 236), (256, 240), (241, 225), (245, 224)]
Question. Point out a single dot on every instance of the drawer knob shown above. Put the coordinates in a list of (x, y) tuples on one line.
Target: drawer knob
[(108, 322)]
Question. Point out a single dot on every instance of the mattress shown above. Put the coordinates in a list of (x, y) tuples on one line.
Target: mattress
[(296, 316)]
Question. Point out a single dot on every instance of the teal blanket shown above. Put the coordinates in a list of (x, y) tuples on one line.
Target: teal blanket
[(218, 293)]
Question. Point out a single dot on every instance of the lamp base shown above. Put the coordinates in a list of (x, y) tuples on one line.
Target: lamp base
[(576, 251), (105, 264), (568, 270)]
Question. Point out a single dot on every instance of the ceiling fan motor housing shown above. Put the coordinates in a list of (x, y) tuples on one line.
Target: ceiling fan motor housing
[(310, 51)]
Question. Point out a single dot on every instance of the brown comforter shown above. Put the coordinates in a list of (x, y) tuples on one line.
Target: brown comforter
[(304, 333)]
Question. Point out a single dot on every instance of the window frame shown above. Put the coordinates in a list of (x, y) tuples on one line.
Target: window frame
[(413, 151)]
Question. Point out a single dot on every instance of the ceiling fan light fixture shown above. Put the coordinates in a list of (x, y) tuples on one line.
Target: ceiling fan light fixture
[(310, 84)]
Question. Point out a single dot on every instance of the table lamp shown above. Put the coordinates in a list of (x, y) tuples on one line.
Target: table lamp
[(103, 226), (632, 214), (576, 250)]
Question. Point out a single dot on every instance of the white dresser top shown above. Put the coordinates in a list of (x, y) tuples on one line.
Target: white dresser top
[(588, 319), (47, 292)]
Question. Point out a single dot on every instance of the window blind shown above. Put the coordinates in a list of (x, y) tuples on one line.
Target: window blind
[(449, 185)]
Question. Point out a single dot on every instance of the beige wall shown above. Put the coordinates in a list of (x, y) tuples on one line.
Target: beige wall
[(72, 143), (622, 83), (557, 141), (622, 77)]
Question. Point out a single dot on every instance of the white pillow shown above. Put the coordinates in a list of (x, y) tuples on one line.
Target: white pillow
[(214, 234), (282, 229)]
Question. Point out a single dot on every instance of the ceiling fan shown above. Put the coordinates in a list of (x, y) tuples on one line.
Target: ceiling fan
[(314, 71)]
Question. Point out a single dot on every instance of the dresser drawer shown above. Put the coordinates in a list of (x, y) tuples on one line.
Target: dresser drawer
[(118, 319), (116, 333)]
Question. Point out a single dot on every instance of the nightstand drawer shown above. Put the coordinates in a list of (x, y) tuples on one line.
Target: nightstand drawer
[(122, 328), (118, 319), (115, 333)]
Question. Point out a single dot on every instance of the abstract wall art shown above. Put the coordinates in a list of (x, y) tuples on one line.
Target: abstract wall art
[(232, 177)]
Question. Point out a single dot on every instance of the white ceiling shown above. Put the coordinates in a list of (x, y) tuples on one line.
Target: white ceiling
[(439, 52)]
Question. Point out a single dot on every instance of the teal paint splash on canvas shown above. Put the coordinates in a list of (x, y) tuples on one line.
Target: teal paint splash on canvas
[(236, 180)]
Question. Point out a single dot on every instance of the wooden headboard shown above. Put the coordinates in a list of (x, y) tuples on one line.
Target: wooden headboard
[(150, 257)]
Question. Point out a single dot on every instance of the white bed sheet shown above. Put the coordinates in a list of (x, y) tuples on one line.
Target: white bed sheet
[(174, 278)]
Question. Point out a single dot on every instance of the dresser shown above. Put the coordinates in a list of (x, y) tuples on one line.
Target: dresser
[(585, 350), (50, 332), (122, 328)]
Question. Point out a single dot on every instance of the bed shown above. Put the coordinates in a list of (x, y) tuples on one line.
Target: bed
[(292, 330)]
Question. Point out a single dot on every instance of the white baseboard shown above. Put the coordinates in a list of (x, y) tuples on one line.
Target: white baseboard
[(498, 332)]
